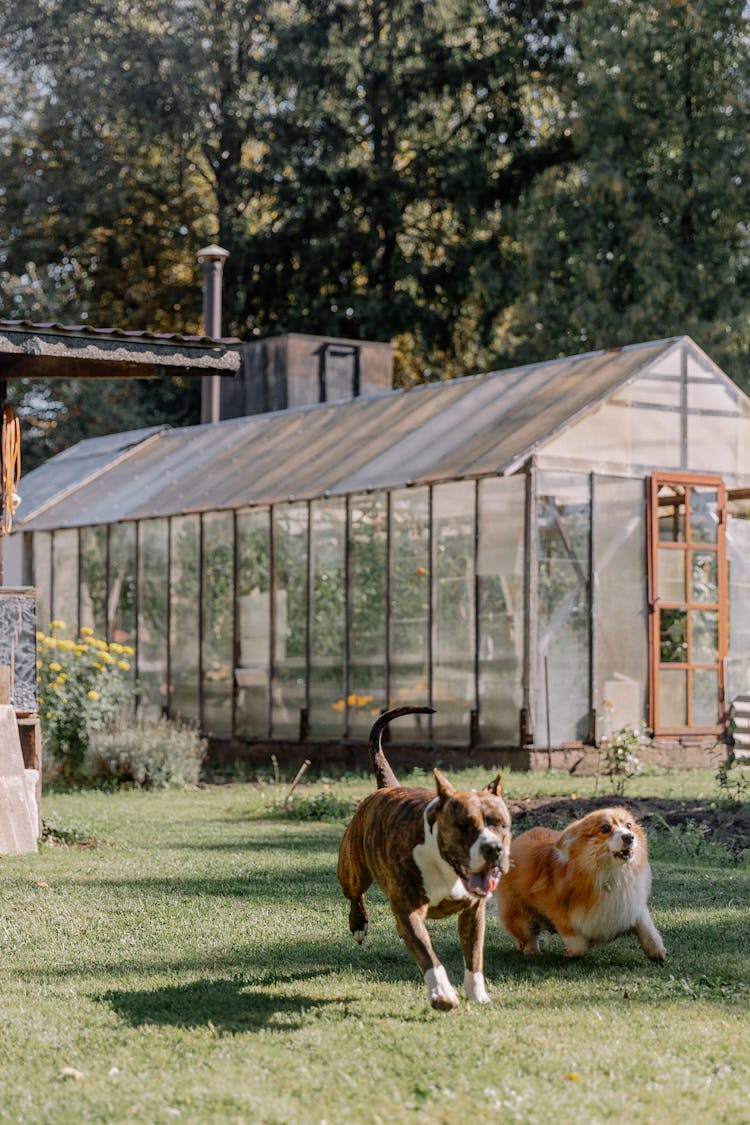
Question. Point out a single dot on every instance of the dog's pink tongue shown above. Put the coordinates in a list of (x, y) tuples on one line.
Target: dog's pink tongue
[(483, 882)]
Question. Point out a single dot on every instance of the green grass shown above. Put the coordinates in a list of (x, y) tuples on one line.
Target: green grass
[(197, 967)]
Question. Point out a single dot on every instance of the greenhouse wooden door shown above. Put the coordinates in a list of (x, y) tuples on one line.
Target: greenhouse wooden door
[(687, 603)]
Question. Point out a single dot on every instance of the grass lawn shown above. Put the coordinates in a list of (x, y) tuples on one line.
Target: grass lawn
[(198, 967)]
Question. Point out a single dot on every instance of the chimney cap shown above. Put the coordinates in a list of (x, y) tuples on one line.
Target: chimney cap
[(212, 253)]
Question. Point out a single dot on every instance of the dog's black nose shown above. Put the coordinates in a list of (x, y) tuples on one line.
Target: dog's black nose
[(627, 839), (491, 850)]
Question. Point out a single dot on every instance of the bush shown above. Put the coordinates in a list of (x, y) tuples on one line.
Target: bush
[(84, 685), (152, 755), (621, 756), (324, 806)]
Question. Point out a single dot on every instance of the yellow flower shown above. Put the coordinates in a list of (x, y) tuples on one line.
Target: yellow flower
[(67, 645), (107, 658), (86, 631), (78, 649), (49, 642), (128, 650), (115, 647), (124, 665), (39, 635), (39, 664), (93, 694), (49, 714), (55, 667), (99, 667), (61, 678), (338, 705), (57, 624), (40, 699)]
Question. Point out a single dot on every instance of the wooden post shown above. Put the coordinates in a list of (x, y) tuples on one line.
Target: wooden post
[(5, 682)]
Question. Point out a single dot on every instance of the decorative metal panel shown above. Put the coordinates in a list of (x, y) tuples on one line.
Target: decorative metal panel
[(18, 645)]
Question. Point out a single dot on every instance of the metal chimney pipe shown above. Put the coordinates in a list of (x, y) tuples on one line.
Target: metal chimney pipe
[(212, 260)]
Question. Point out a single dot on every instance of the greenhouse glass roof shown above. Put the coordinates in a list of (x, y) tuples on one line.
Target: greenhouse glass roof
[(463, 428)]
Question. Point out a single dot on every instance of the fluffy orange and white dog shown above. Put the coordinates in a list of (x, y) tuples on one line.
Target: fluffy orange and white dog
[(590, 883)]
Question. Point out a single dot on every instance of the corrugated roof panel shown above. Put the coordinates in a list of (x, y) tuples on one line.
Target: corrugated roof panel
[(553, 403), (75, 465), (441, 431)]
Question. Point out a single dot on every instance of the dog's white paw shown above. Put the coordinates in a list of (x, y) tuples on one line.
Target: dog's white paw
[(575, 945), (654, 949), (442, 994), (474, 987)]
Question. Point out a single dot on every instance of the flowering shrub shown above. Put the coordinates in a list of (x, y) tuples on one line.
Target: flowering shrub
[(621, 755), (84, 685)]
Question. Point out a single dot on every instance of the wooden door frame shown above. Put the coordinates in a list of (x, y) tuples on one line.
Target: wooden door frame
[(655, 481)]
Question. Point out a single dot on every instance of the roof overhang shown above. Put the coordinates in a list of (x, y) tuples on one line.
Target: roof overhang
[(53, 351)]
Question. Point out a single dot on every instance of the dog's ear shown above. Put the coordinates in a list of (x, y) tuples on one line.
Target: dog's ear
[(495, 787), (444, 787)]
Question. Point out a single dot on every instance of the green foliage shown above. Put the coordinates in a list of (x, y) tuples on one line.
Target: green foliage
[(323, 806), (65, 832), (151, 755), (84, 686), (734, 782), (689, 841)]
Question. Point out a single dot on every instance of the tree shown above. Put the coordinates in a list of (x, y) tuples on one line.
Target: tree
[(645, 235), (404, 135), (358, 160)]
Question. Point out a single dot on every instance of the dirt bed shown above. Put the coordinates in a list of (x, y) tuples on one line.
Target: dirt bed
[(728, 825)]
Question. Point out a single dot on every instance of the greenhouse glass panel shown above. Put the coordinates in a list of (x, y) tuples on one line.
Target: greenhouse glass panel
[(153, 611), (621, 432), (705, 697), (671, 570), (367, 611), (655, 437), (563, 671), (327, 618), (94, 579), (65, 579), (501, 608), (409, 641), (704, 577), (289, 684), (254, 624), (621, 624), (454, 688), (704, 636), (184, 622), (738, 558), (41, 548), (121, 590), (673, 696), (218, 622)]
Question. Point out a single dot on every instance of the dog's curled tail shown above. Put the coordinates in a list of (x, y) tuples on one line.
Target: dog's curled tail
[(384, 775)]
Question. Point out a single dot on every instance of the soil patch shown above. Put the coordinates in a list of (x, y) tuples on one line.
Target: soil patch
[(725, 824)]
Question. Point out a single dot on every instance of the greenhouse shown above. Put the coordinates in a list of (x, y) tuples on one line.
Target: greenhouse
[(544, 555)]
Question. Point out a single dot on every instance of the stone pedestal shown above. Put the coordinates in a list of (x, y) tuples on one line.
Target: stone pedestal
[(19, 809)]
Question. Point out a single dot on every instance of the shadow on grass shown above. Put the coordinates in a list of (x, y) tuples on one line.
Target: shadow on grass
[(268, 888), (328, 840), (220, 1004)]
